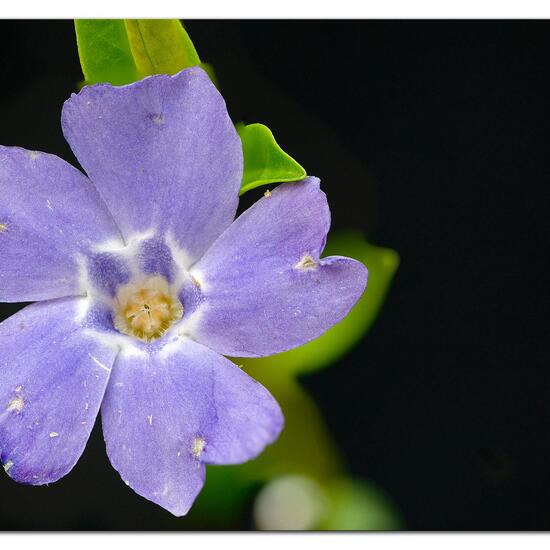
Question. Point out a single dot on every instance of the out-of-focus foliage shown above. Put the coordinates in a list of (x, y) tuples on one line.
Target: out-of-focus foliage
[(291, 503), (356, 505), (264, 161), (297, 502), (304, 447)]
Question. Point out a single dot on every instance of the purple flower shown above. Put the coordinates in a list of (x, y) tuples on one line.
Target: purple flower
[(144, 281)]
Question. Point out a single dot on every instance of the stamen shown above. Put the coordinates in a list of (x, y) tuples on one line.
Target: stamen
[(147, 308)]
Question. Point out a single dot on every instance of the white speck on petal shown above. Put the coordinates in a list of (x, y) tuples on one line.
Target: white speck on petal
[(196, 282), (267, 194), (150, 419), (54, 434), (33, 155), (306, 262), (49, 205), (16, 404), (198, 446)]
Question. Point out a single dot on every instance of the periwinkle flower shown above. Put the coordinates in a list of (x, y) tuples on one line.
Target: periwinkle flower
[(144, 281)]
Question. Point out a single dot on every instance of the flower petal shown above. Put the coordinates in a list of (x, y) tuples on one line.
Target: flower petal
[(163, 154), (166, 414), (52, 381), (265, 288), (50, 213)]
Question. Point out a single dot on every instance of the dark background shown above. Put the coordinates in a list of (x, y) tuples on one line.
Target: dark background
[(433, 138)]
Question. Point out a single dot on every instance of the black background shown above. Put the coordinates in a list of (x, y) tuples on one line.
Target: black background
[(433, 138)]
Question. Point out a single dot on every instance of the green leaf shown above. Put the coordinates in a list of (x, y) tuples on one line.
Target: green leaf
[(264, 161), (224, 499), (160, 46), (121, 51), (305, 445), (382, 264), (302, 502), (104, 50), (359, 506)]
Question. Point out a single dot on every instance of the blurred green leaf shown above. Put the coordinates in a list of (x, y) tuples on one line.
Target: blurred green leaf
[(223, 501), (121, 51), (359, 506), (382, 264), (291, 502), (264, 161), (304, 446)]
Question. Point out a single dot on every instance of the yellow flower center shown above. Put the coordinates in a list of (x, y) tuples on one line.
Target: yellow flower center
[(147, 308)]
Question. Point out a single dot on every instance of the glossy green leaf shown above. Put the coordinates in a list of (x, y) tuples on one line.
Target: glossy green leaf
[(264, 161), (382, 264), (104, 50), (160, 46), (121, 51)]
